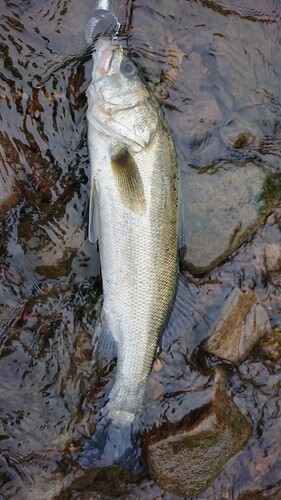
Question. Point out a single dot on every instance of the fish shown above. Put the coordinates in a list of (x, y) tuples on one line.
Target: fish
[(134, 216)]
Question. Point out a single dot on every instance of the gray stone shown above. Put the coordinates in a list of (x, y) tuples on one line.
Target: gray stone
[(222, 206), (273, 257)]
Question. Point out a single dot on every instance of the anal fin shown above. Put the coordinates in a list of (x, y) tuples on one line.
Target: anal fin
[(105, 346)]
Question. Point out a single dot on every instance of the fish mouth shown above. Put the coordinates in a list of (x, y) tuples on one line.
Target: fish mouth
[(102, 68), (103, 60)]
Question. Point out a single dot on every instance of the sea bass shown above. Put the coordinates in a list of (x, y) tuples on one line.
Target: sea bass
[(134, 215)]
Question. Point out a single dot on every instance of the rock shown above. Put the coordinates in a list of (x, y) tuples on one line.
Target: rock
[(270, 346), (222, 207), (241, 135), (227, 146), (186, 457), (207, 114), (271, 192), (10, 193), (273, 257), (243, 321), (266, 256)]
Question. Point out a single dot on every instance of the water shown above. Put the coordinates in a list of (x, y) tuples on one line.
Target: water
[(215, 67)]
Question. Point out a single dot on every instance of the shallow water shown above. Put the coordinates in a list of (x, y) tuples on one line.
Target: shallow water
[(215, 67)]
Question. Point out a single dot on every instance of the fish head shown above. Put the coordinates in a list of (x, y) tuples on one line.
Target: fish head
[(119, 102)]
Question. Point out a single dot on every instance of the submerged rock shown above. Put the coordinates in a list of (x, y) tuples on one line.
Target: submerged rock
[(243, 321), (270, 346), (228, 144), (186, 457), (223, 206), (10, 193), (273, 257)]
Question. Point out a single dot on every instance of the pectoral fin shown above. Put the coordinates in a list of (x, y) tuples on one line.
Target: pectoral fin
[(128, 180)]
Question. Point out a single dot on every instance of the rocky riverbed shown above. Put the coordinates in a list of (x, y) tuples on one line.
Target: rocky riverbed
[(212, 419)]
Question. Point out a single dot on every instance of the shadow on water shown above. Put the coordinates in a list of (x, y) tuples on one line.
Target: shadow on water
[(215, 68)]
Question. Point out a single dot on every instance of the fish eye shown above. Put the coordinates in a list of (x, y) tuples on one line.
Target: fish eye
[(128, 68)]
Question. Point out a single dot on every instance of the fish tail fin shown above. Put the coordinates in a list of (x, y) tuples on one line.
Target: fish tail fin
[(112, 444)]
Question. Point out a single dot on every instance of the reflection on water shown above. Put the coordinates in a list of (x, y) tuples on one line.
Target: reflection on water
[(215, 66)]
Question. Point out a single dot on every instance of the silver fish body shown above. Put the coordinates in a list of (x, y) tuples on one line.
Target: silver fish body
[(134, 214)]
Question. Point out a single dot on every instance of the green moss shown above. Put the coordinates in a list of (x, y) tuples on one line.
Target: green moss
[(235, 235), (271, 192), (202, 441)]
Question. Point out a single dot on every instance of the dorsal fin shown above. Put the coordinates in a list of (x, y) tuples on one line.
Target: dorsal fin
[(128, 180)]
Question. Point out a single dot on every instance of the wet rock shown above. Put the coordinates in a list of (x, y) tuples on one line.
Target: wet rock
[(273, 257), (243, 321), (200, 138), (193, 70), (186, 458), (10, 193), (207, 114), (271, 235), (266, 256), (271, 192), (231, 141), (245, 69), (3, 434), (242, 135), (223, 206), (149, 490), (270, 346), (107, 483)]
